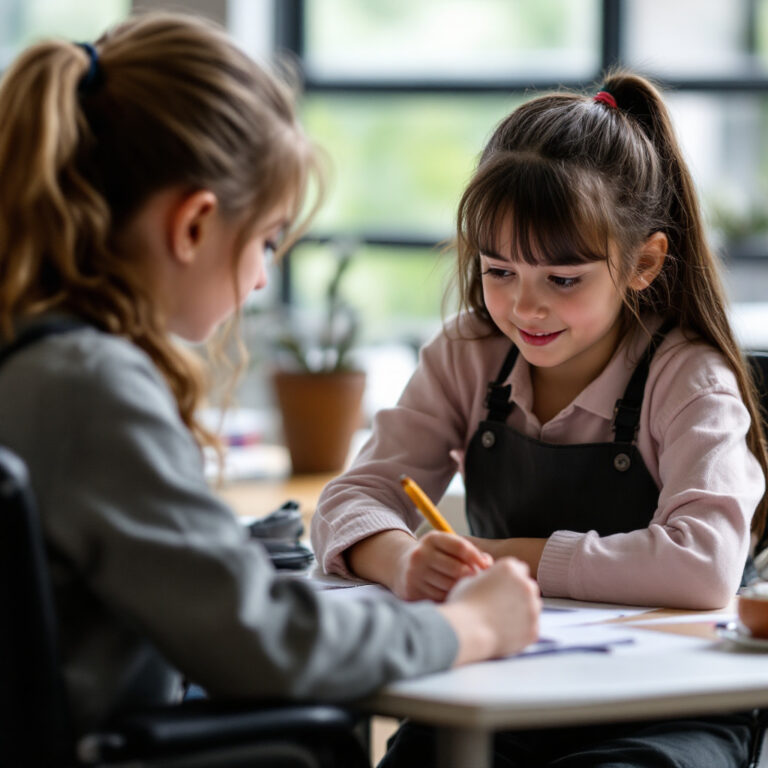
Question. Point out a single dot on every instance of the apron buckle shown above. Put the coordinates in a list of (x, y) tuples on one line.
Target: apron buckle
[(626, 419), (497, 401), (497, 396)]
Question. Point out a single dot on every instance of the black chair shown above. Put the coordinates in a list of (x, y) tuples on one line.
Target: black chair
[(758, 362), (34, 726)]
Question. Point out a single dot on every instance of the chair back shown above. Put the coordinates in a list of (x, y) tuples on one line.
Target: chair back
[(34, 729), (758, 362)]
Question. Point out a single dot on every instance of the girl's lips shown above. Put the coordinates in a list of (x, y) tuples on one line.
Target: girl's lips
[(538, 339)]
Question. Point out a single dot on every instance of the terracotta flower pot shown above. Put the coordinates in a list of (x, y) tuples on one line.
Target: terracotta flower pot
[(320, 413)]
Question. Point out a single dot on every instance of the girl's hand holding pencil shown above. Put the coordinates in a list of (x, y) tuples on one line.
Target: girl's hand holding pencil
[(432, 565), (493, 615)]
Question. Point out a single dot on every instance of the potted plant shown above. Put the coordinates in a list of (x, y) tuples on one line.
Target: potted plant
[(318, 388)]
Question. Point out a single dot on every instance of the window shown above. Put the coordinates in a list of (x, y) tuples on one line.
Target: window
[(403, 95), (462, 41)]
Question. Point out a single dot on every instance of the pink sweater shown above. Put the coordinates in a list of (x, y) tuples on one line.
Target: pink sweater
[(692, 437)]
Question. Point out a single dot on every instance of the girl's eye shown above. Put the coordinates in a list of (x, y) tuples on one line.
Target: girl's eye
[(497, 273), (270, 247), (564, 282)]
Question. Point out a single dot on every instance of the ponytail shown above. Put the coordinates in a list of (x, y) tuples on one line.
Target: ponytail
[(49, 213), (55, 224)]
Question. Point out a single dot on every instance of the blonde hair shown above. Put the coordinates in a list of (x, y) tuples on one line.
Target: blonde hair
[(173, 103), (568, 175)]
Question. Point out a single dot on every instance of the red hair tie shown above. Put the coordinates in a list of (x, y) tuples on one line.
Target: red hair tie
[(606, 98)]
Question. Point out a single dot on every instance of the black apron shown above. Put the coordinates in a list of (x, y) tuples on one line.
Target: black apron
[(518, 486)]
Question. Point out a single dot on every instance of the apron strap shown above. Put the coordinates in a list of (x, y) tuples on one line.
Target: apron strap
[(626, 413), (497, 396)]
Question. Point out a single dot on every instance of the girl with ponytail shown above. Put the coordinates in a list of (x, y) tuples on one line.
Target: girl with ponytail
[(592, 394), (143, 178)]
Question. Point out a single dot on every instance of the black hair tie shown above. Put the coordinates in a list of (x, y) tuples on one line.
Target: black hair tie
[(92, 78)]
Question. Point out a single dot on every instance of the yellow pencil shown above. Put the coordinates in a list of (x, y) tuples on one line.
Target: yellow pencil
[(424, 505)]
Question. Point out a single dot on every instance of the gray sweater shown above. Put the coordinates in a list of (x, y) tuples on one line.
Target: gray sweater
[(153, 575)]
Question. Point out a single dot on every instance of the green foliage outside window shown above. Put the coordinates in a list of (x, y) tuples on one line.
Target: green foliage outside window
[(399, 163), (398, 293)]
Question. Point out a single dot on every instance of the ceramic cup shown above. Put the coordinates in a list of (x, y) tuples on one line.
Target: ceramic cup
[(753, 609)]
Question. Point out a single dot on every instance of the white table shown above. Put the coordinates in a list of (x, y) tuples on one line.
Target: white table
[(673, 676)]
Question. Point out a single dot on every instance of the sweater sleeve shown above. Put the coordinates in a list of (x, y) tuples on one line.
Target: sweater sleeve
[(165, 555), (692, 553), (417, 437)]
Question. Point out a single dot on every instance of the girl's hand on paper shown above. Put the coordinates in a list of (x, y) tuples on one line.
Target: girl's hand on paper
[(494, 613), (527, 550), (433, 564)]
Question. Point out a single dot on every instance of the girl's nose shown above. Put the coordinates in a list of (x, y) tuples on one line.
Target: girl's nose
[(261, 277), (528, 303)]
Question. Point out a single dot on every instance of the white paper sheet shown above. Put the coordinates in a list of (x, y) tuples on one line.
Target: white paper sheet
[(558, 612), (712, 617)]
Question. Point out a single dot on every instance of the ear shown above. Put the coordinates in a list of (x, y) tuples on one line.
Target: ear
[(650, 261), (190, 219)]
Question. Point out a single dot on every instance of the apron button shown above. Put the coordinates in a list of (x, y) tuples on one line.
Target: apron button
[(488, 439), (621, 462)]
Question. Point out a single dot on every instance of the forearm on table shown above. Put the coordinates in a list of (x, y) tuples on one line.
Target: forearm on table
[(528, 550), (376, 557), (688, 565)]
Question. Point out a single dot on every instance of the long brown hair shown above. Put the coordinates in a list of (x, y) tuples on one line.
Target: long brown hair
[(567, 175), (171, 102)]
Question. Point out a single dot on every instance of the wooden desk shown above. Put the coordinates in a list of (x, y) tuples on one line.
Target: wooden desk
[(257, 497)]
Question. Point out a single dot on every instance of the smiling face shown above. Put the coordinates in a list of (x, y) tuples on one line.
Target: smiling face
[(544, 255), (563, 317)]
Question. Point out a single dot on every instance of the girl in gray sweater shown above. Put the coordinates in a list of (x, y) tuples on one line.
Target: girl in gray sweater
[(143, 179)]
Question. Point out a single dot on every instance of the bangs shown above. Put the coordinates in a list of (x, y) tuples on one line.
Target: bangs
[(535, 210)]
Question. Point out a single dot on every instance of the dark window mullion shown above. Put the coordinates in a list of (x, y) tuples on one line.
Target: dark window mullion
[(289, 27), (430, 86), (380, 239), (289, 35), (745, 84), (612, 47)]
